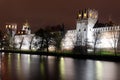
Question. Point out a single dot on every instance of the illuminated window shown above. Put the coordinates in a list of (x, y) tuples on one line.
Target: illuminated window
[(79, 15), (22, 32), (12, 26), (84, 29), (6, 26), (19, 32), (85, 15), (90, 15), (118, 27), (9, 26), (15, 26)]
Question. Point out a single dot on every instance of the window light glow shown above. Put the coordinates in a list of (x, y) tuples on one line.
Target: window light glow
[(85, 15), (79, 15)]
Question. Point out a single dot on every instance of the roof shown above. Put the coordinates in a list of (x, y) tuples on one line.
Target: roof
[(99, 25)]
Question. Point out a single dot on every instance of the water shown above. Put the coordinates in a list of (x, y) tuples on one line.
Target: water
[(34, 67)]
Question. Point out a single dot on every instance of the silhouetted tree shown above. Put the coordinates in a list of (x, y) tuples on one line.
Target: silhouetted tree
[(44, 37), (2, 39), (47, 39), (51, 35), (58, 36), (40, 37)]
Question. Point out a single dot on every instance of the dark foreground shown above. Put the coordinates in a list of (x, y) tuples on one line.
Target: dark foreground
[(71, 55), (36, 67)]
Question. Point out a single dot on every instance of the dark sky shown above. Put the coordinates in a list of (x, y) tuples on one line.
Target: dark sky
[(51, 12)]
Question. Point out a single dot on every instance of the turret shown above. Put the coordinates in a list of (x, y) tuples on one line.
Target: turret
[(11, 29), (86, 20), (26, 28)]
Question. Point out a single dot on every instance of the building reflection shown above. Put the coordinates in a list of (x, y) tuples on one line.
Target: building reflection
[(35, 67)]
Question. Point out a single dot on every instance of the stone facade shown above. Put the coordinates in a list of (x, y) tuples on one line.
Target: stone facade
[(87, 26)]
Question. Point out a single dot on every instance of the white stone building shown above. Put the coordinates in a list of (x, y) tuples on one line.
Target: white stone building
[(86, 27)]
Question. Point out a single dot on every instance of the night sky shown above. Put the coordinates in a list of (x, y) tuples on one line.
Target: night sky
[(40, 13)]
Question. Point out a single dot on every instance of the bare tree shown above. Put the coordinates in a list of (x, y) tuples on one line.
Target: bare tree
[(118, 44), (97, 37), (21, 43), (45, 38), (31, 42), (57, 40), (40, 39), (115, 37)]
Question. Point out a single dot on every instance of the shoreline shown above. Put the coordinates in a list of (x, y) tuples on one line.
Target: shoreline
[(71, 55)]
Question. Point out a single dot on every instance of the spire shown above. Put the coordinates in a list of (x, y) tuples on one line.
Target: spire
[(79, 15), (26, 23), (26, 27)]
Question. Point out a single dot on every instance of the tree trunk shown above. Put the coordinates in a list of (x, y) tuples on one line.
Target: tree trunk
[(31, 42), (47, 46), (21, 42)]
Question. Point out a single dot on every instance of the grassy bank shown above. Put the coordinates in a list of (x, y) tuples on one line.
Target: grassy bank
[(98, 56)]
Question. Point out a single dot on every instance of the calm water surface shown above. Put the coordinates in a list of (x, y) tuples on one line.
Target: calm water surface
[(34, 67)]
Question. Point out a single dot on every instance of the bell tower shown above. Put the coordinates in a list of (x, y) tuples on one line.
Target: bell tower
[(81, 28), (86, 20)]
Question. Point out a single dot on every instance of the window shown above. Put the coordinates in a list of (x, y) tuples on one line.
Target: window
[(84, 29)]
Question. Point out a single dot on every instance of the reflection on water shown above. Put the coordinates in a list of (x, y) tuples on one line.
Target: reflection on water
[(99, 70), (62, 68), (35, 67)]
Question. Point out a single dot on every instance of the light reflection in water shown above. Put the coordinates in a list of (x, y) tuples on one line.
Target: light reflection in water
[(25, 65), (90, 68), (9, 64), (62, 68), (42, 68), (99, 70), (28, 59), (18, 69)]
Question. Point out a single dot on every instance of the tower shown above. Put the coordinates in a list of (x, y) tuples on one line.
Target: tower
[(11, 31), (86, 20), (26, 28)]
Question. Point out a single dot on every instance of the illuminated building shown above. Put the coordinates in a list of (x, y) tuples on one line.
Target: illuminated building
[(83, 34), (86, 27), (20, 39)]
